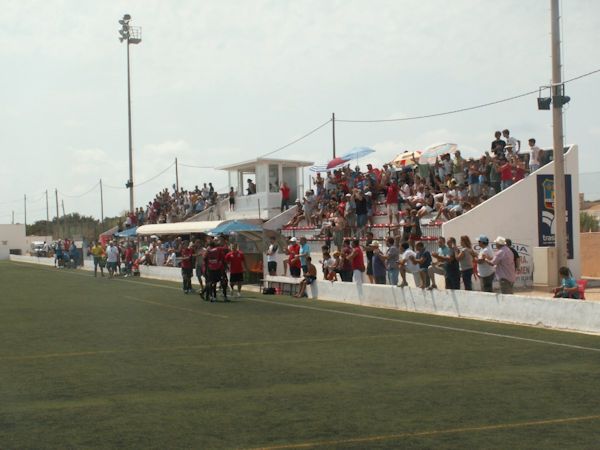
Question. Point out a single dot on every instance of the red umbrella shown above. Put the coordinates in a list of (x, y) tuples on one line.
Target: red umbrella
[(336, 162)]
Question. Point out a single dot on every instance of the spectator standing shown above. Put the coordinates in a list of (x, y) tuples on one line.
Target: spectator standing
[(505, 266), (438, 266), (424, 260), (346, 269), (392, 256), (369, 248), (516, 257), (231, 199), (484, 267), (391, 201), (285, 196), (451, 266), (251, 189), (511, 142), (271, 257), (358, 262), (303, 253), (498, 144), (294, 258), (377, 264), (465, 261), (534, 156)]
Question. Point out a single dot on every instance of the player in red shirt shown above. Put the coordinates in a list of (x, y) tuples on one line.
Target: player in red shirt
[(237, 265), (128, 259), (214, 261), (187, 253)]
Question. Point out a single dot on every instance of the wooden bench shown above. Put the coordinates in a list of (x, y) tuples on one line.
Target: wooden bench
[(285, 284)]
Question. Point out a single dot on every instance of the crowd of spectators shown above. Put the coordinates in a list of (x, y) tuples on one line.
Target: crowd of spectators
[(173, 206), (458, 263), (342, 203)]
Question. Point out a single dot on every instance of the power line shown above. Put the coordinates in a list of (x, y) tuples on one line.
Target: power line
[(157, 175), (196, 167), (470, 108), (143, 182), (80, 195), (314, 130)]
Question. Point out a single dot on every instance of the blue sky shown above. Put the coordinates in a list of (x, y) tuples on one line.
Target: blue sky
[(220, 82)]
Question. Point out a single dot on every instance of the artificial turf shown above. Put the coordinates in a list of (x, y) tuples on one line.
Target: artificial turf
[(132, 363)]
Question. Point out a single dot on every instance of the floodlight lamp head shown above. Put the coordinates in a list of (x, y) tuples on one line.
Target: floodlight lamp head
[(544, 103), (127, 17), (121, 22)]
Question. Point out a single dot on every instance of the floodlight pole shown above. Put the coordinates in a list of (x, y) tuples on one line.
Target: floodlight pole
[(560, 216), (130, 139), (133, 36)]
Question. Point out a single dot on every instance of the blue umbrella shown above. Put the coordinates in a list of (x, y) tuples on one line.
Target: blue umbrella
[(129, 232), (357, 152), (235, 227)]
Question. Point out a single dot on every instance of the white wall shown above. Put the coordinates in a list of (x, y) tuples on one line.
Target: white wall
[(14, 237), (563, 314), (513, 214)]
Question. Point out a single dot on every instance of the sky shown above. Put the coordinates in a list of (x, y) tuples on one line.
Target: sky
[(218, 82)]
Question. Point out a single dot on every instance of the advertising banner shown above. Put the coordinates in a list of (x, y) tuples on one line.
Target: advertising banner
[(546, 225)]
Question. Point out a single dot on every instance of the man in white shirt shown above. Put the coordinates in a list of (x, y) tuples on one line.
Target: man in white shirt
[(112, 255), (485, 269), (408, 263), (534, 156), (272, 257), (515, 144)]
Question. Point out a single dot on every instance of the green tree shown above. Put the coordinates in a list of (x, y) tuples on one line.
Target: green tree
[(588, 222)]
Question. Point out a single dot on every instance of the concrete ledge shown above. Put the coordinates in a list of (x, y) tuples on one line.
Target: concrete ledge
[(560, 314), (32, 260)]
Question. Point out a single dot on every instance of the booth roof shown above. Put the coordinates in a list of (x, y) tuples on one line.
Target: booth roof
[(251, 163), (178, 228)]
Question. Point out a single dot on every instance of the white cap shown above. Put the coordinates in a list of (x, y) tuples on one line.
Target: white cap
[(293, 239)]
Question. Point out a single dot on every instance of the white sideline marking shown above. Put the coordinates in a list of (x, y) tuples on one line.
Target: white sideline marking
[(367, 316)]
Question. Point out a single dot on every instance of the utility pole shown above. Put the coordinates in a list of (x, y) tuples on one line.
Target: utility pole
[(560, 217), (62, 202), (25, 210), (57, 215), (176, 176), (47, 214), (333, 132), (13, 217), (101, 205)]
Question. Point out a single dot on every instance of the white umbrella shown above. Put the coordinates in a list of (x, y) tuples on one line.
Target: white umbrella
[(431, 153)]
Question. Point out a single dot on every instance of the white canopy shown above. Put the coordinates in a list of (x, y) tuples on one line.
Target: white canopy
[(178, 228)]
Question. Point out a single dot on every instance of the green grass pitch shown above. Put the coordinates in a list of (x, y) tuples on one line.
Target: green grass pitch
[(96, 363)]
